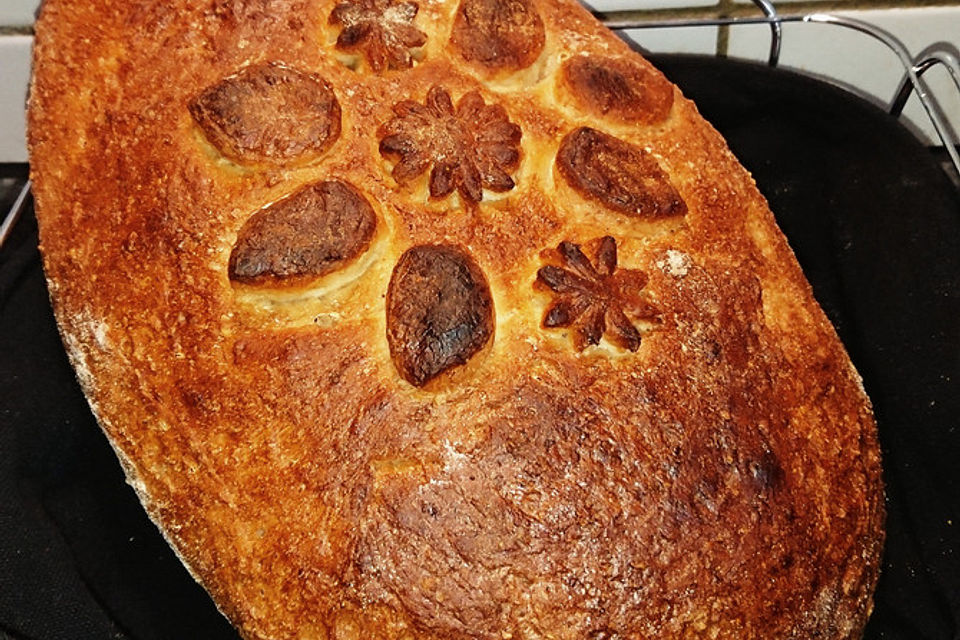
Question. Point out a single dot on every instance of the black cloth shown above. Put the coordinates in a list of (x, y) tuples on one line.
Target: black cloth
[(875, 224)]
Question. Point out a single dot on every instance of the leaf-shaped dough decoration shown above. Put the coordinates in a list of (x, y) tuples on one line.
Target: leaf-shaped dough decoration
[(439, 311), (319, 229), (269, 113), (617, 174), (618, 88), (499, 34)]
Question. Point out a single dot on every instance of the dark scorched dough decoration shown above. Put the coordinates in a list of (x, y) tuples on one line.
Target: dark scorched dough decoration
[(596, 298)]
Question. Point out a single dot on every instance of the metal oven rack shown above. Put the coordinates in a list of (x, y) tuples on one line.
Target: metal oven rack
[(912, 81), (10, 219), (913, 68)]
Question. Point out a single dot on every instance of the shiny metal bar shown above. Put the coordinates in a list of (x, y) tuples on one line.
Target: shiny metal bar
[(14, 214), (776, 31)]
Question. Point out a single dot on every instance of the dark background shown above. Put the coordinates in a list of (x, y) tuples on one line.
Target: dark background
[(875, 223)]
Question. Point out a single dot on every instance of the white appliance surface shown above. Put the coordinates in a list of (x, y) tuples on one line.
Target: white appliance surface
[(17, 13)]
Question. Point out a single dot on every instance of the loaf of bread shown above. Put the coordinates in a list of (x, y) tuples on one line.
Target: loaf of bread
[(444, 320)]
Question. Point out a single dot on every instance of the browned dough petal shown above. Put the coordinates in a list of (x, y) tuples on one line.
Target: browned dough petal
[(499, 131), (561, 280), (410, 37), (442, 182), (409, 167), (411, 109), (350, 36), (317, 230), (439, 311), (617, 174), (496, 179), (574, 258), (399, 144), (607, 256), (622, 332), (499, 34), (498, 155), (269, 113), (564, 310), (439, 102), (618, 88), (470, 105), (471, 182), (589, 327)]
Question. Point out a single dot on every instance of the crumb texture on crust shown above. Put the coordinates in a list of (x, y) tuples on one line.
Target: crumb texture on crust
[(444, 321)]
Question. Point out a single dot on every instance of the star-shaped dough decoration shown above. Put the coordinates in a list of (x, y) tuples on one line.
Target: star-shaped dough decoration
[(595, 298), (381, 30)]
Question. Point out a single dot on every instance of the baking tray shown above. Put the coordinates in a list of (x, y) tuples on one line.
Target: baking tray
[(874, 221)]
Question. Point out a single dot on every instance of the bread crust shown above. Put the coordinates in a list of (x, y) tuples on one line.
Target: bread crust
[(722, 479)]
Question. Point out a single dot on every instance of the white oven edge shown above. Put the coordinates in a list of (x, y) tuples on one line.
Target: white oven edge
[(14, 78), (17, 13)]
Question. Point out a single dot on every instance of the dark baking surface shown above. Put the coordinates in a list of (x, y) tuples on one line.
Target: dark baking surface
[(875, 224)]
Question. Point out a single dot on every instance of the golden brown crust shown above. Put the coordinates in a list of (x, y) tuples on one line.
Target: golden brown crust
[(721, 479)]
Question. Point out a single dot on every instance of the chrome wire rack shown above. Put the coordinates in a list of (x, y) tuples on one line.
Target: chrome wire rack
[(912, 82), (913, 67), (14, 213)]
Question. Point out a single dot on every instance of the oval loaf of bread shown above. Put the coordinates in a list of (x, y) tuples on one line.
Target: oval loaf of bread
[(444, 320)]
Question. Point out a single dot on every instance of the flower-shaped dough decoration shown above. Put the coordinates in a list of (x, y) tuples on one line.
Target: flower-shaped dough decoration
[(471, 147), (381, 30), (596, 298)]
